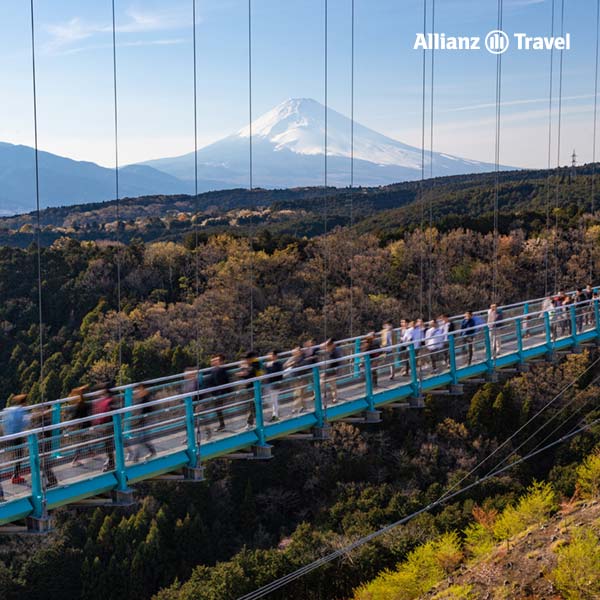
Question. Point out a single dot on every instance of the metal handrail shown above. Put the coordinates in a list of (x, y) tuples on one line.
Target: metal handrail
[(232, 386)]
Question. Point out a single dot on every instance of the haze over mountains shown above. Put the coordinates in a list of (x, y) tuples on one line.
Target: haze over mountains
[(288, 151)]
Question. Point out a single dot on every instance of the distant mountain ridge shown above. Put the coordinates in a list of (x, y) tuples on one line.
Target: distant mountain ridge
[(288, 151)]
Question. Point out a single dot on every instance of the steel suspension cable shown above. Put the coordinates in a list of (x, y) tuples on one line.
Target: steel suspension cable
[(117, 195), (38, 229), (593, 182), (422, 183), (251, 174), (352, 249), (553, 417), (558, 148), (549, 164), (38, 244), (325, 165), (430, 203), (497, 158), (522, 427), (196, 207), (283, 581)]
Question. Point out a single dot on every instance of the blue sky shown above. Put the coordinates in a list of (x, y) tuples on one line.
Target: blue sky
[(155, 74)]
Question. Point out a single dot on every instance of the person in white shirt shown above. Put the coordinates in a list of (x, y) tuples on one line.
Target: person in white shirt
[(386, 343), (406, 333), (493, 318), (418, 337), (433, 344)]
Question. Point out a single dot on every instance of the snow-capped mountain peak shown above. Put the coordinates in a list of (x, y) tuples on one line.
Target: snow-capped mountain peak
[(298, 124), (288, 146)]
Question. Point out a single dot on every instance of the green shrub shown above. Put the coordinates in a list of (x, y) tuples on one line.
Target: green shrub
[(588, 476), (456, 592), (533, 508), (577, 575), (479, 540), (423, 568)]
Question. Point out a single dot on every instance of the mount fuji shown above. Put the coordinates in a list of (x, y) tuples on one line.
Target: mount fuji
[(288, 151)]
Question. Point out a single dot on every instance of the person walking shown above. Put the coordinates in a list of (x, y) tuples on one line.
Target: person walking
[(218, 376), (81, 410), (329, 378), (142, 397), (433, 344), (274, 368), (370, 345), (103, 404), (15, 420), (494, 316), (387, 342), (468, 330), (407, 339), (249, 370), (295, 361), (42, 417), (418, 337), (447, 329)]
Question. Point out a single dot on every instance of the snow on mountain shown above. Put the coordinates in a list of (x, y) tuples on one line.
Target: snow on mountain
[(288, 149)]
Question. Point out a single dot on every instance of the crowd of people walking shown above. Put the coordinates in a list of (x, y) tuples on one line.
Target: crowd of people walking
[(411, 348)]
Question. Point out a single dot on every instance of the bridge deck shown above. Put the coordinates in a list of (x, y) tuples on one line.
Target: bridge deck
[(65, 462)]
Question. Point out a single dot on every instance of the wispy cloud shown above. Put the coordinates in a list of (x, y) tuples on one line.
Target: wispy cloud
[(134, 44), (63, 36), (510, 103)]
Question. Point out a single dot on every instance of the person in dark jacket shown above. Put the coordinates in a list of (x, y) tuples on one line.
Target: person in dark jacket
[(218, 376), (468, 330), (142, 397), (81, 409), (249, 370), (332, 355), (295, 361)]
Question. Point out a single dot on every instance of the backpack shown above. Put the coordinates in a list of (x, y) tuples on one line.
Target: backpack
[(13, 420), (102, 405)]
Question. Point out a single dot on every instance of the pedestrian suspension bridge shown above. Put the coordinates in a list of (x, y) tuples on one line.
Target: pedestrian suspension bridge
[(64, 461)]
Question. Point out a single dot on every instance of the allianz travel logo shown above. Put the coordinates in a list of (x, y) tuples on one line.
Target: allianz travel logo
[(495, 42)]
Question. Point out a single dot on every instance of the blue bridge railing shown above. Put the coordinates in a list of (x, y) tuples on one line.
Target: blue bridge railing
[(68, 460)]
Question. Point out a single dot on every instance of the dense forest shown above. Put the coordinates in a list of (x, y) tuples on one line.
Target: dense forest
[(249, 523)]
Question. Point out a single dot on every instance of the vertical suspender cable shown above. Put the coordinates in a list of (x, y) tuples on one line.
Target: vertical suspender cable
[(593, 183), (422, 185), (38, 243), (430, 203), (325, 198), (196, 209), (557, 188), (497, 158), (352, 169), (251, 171), (117, 197), (550, 88), (37, 203)]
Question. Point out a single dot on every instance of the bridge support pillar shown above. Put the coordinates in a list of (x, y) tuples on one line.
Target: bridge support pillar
[(123, 497), (193, 473), (262, 451), (491, 377), (322, 432), (373, 416), (417, 401), (41, 524), (457, 389)]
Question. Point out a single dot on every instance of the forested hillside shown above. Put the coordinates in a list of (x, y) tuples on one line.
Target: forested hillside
[(252, 522), (526, 199)]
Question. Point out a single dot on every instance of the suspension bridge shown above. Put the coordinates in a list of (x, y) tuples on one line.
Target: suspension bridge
[(64, 461)]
